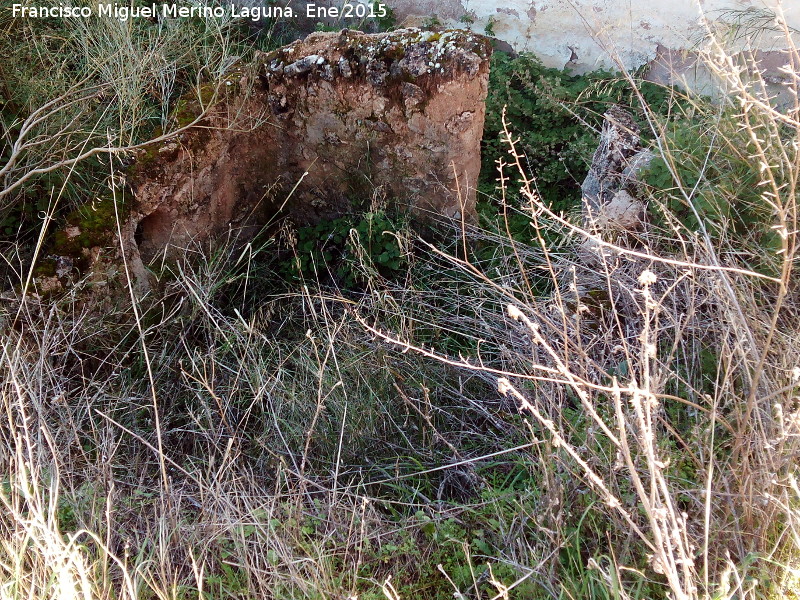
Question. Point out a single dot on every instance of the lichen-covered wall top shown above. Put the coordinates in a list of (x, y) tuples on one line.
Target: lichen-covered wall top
[(585, 34)]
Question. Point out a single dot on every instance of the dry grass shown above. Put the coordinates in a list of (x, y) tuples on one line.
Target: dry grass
[(225, 443)]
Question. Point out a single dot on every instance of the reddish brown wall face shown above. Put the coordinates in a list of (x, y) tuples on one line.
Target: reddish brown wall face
[(325, 122)]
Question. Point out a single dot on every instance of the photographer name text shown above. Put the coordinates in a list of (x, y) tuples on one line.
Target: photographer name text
[(176, 11)]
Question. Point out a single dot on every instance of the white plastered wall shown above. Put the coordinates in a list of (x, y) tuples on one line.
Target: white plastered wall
[(591, 34)]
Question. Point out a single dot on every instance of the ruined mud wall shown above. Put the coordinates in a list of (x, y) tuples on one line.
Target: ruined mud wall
[(312, 130)]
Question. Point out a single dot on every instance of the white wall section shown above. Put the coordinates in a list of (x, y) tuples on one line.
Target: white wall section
[(586, 34)]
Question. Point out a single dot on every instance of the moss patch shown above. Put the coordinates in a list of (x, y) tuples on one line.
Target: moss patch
[(185, 111), (45, 267), (94, 224), (190, 105)]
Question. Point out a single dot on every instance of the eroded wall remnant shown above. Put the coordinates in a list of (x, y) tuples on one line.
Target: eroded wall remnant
[(322, 122)]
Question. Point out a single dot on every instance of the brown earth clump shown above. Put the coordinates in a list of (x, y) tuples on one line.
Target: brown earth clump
[(312, 131)]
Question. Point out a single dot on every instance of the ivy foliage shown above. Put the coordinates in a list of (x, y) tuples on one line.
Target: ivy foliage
[(349, 249)]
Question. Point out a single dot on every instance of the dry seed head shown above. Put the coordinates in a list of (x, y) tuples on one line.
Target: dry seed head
[(647, 278), (514, 312)]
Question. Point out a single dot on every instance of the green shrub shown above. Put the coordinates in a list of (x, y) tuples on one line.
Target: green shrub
[(706, 178), (349, 249), (557, 116)]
